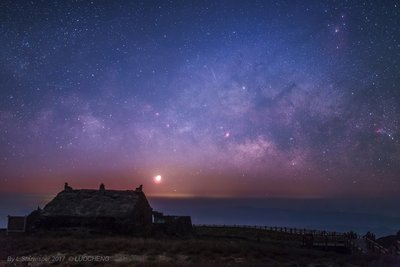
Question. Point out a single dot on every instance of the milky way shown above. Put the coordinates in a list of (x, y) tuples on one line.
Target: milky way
[(235, 98)]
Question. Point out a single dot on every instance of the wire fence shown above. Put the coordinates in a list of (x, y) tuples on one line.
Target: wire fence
[(315, 238)]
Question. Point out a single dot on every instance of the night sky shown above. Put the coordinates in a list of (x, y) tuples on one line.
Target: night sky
[(219, 98)]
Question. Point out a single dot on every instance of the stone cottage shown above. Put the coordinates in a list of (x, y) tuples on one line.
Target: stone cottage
[(103, 210)]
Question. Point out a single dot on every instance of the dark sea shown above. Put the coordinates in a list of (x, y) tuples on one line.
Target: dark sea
[(381, 216)]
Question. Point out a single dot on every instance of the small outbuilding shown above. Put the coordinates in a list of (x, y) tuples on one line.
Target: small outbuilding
[(16, 224), (172, 224)]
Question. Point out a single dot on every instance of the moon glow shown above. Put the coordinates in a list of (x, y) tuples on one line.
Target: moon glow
[(157, 179)]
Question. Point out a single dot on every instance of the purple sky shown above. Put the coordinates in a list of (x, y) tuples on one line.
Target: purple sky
[(234, 98)]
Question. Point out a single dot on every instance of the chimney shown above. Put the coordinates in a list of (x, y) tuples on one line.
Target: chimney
[(67, 187), (102, 187), (139, 189)]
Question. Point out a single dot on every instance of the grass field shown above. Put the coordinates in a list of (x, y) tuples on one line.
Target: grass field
[(211, 247)]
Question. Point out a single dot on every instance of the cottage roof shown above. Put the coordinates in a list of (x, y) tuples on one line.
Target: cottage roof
[(93, 203)]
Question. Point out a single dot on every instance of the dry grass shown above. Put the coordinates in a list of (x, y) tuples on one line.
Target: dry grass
[(213, 250)]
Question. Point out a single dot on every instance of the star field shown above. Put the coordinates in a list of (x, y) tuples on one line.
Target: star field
[(221, 98)]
